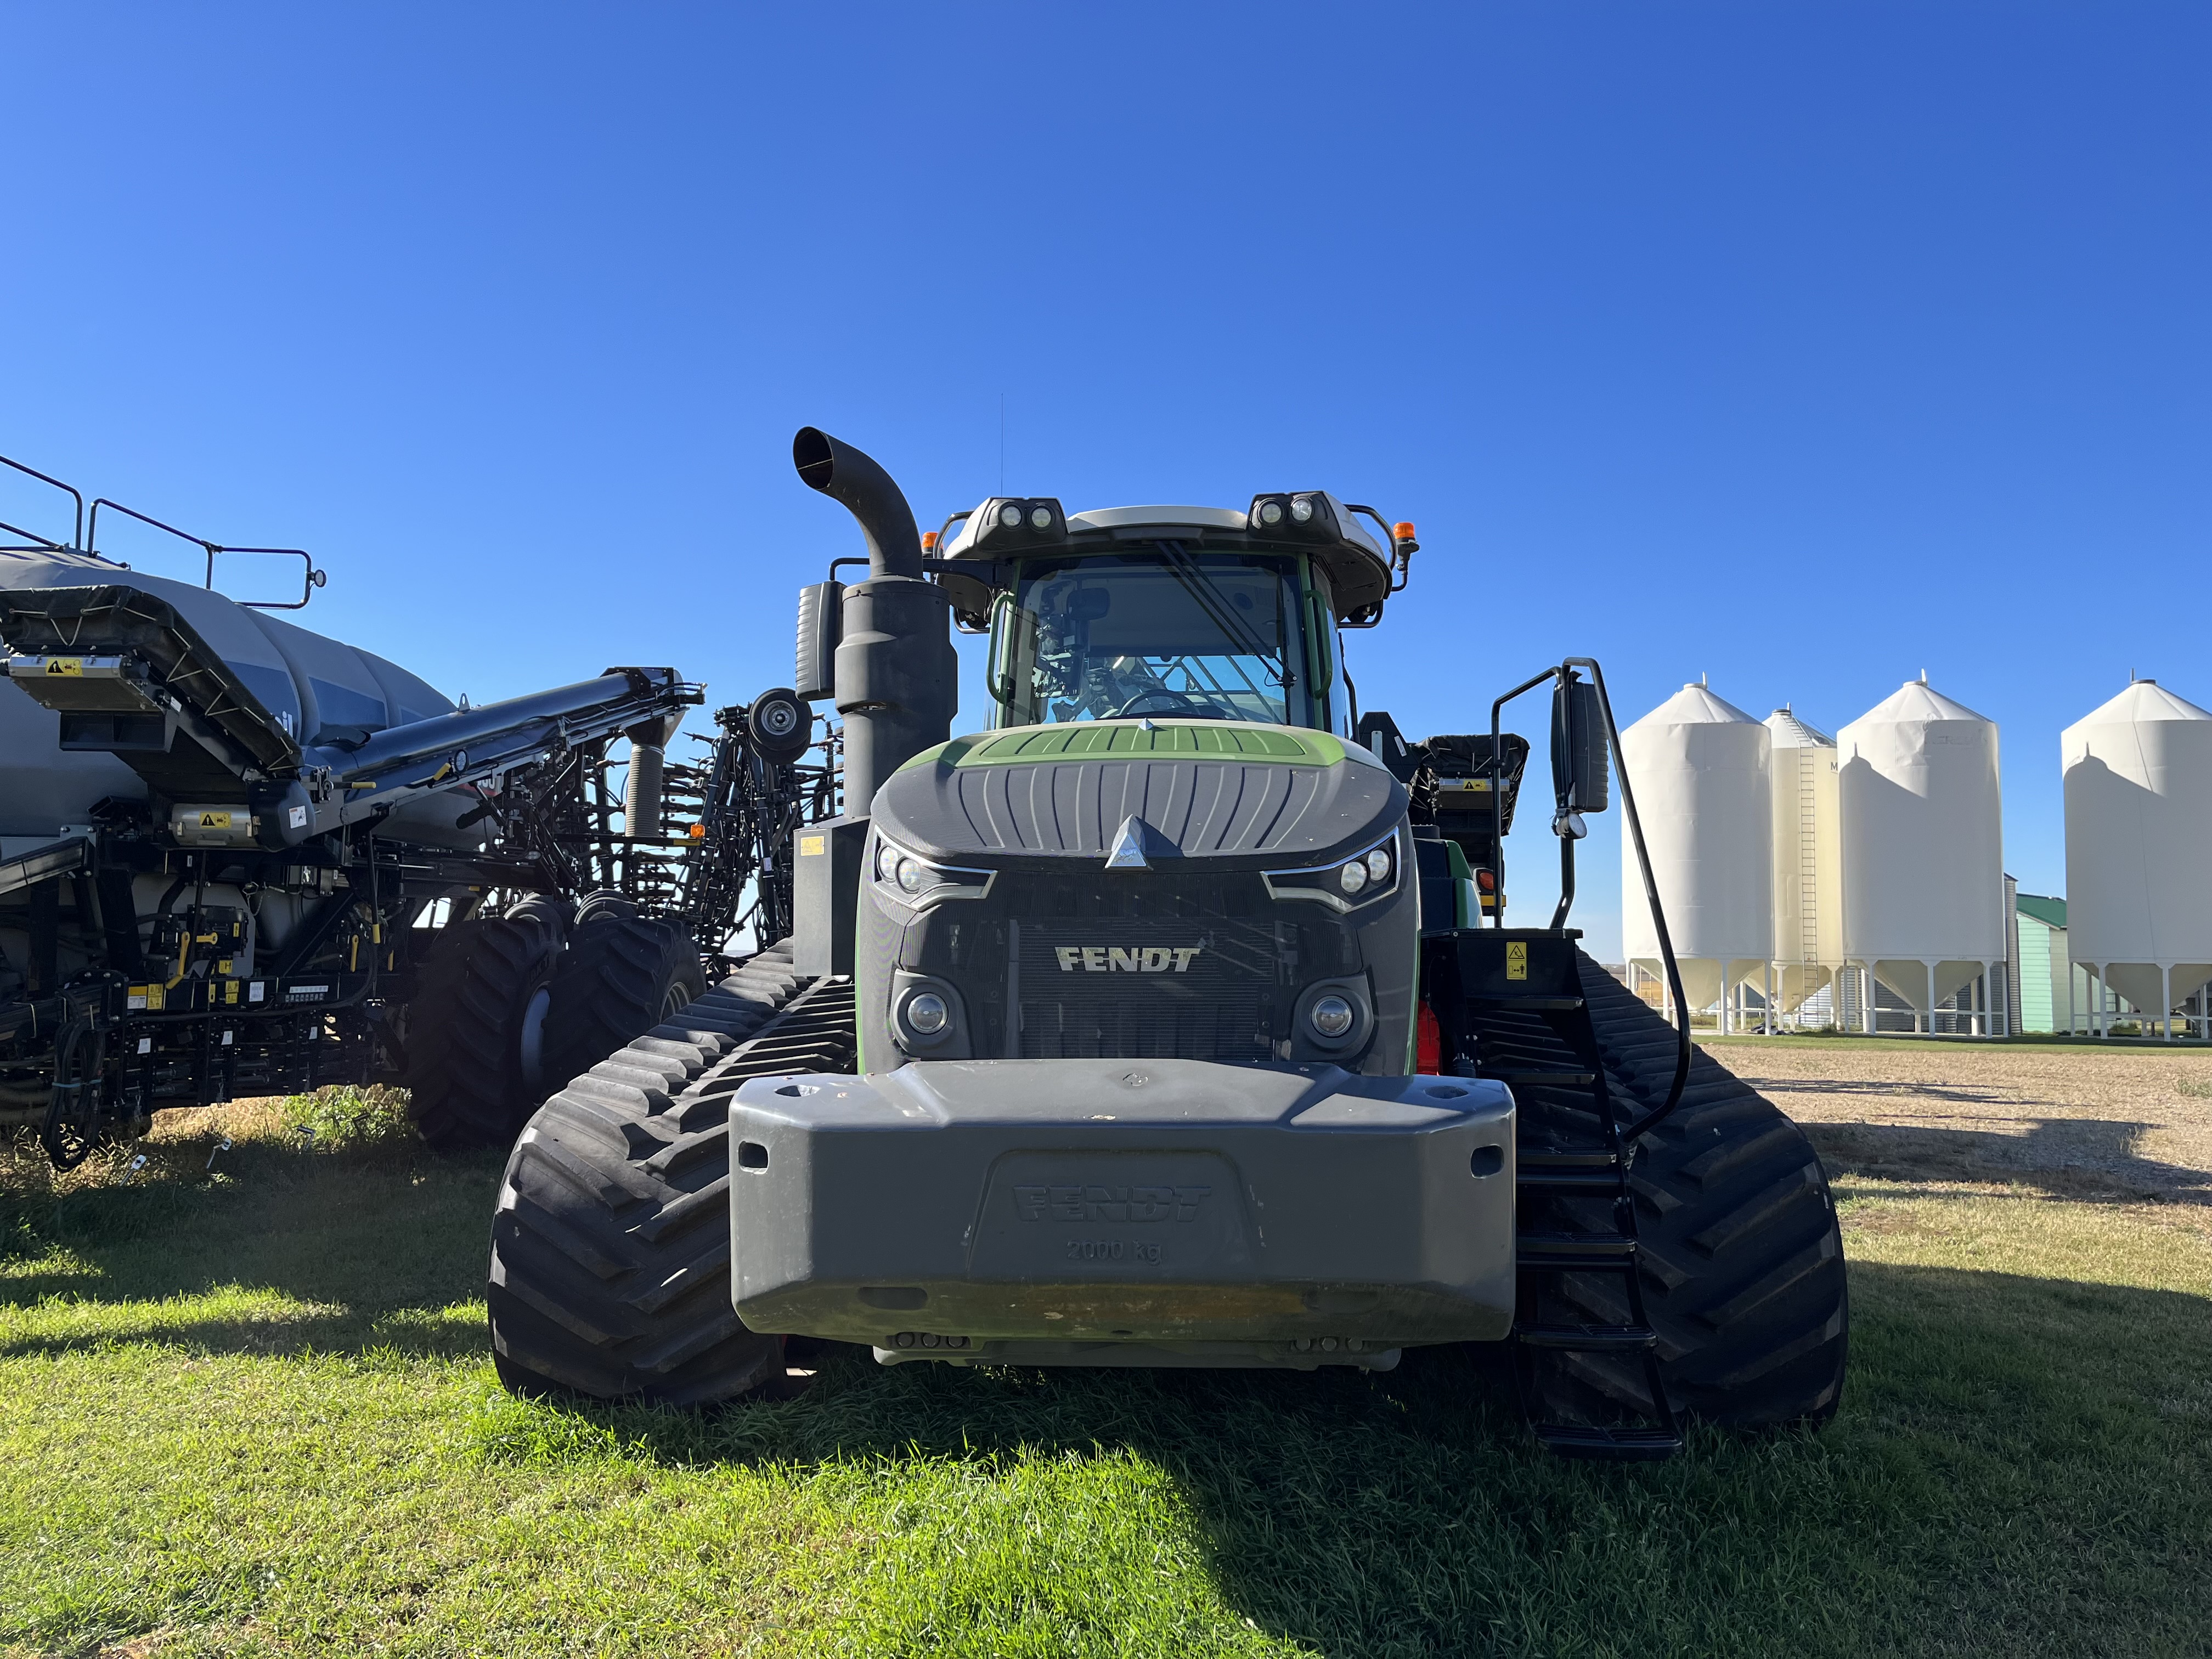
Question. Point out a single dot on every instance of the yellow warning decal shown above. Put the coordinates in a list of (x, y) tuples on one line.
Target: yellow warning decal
[(813, 846), (215, 820), (1516, 958), (66, 665)]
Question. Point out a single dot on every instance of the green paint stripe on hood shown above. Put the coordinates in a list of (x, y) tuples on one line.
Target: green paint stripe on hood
[(1237, 740)]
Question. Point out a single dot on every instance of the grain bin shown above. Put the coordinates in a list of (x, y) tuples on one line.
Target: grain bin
[(1808, 872), (1699, 766), (2138, 776), (1921, 823)]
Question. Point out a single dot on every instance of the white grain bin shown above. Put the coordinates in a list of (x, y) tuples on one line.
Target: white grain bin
[(2138, 832), (1808, 869), (1923, 828), (1699, 770)]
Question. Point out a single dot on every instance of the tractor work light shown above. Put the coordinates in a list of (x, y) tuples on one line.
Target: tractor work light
[(1001, 527), (927, 1013), (1358, 562)]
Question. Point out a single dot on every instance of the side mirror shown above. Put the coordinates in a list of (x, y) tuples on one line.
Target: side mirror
[(1581, 777), (821, 625)]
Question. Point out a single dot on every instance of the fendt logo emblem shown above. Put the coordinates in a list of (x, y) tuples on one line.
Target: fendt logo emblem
[(1078, 1203), (1140, 959)]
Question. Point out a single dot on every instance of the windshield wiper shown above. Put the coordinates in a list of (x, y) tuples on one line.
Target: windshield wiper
[(1233, 627)]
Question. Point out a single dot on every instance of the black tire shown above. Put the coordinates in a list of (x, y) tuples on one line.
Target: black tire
[(611, 1246), (621, 977), (549, 911), (473, 1030), (606, 902), (1741, 1256)]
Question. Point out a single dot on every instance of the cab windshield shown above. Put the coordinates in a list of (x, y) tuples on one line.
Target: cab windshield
[(1163, 632)]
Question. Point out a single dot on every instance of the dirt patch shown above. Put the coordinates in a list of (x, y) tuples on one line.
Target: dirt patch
[(2119, 1126)]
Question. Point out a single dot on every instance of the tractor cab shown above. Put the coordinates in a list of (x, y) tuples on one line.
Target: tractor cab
[(1170, 612)]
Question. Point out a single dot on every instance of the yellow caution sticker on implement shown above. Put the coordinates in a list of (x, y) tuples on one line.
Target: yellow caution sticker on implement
[(66, 665), (1516, 958), (215, 820), (813, 846)]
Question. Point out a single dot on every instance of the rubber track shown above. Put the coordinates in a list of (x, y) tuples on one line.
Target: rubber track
[(1741, 1257), (611, 1246), (463, 1090), (611, 986)]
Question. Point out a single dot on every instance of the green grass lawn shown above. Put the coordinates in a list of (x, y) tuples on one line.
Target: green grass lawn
[(252, 1412)]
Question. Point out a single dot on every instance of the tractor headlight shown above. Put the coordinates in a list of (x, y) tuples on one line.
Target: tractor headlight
[(1271, 513), (1010, 515), (926, 1016), (1301, 509), (1369, 875), (1332, 1015), (1335, 1016), (910, 880), (1041, 518)]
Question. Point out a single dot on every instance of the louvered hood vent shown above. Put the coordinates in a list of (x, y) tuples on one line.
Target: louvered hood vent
[(1262, 795)]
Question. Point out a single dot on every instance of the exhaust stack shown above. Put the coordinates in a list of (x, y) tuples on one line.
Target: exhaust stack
[(897, 677)]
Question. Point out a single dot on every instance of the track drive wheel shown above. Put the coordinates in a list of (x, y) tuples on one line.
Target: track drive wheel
[(611, 1246), (476, 1031), (621, 977)]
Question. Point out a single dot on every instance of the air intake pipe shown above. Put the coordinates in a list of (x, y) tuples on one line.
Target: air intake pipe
[(897, 677)]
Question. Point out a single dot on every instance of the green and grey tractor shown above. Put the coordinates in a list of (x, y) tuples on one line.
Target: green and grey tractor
[(1172, 1019)]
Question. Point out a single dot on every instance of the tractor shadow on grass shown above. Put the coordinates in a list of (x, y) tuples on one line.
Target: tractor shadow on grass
[(1408, 1512), (2091, 1160)]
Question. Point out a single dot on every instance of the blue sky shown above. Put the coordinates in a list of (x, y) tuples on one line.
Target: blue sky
[(1804, 347)]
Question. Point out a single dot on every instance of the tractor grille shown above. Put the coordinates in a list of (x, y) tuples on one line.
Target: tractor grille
[(1153, 966)]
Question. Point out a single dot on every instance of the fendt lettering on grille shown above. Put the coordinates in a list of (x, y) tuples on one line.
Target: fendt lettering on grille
[(1139, 959), (1078, 1203)]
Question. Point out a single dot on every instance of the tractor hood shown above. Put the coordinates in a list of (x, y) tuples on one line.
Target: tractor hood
[(1214, 789)]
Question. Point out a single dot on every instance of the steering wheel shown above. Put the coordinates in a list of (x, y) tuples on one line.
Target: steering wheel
[(1186, 704)]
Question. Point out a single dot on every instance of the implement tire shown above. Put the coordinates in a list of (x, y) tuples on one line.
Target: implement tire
[(474, 1032), (1741, 1259), (611, 1246), (622, 976)]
